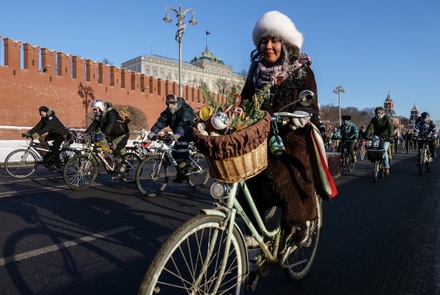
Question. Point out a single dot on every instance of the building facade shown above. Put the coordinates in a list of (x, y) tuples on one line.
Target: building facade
[(205, 69)]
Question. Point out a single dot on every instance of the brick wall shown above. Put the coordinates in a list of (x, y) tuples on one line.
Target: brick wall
[(67, 84)]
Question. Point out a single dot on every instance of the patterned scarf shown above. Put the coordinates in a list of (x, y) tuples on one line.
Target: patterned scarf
[(277, 73)]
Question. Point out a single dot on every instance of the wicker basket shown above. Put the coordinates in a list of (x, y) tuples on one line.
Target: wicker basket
[(375, 154), (239, 168), (237, 156)]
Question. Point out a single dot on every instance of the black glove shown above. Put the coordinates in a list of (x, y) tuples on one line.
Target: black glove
[(25, 134)]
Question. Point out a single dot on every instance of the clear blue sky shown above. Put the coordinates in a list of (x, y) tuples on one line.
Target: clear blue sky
[(370, 47)]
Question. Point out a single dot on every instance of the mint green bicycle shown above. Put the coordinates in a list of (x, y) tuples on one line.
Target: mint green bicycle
[(208, 254)]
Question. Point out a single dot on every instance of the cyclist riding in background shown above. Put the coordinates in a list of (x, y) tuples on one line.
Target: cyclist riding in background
[(179, 116), (110, 128), (348, 134), (50, 128), (381, 126), (425, 128), (362, 133)]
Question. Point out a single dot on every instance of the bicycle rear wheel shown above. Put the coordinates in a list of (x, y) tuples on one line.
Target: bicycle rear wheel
[(80, 172), (300, 261), (152, 176), (189, 261), (20, 163), (132, 162), (198, 179)]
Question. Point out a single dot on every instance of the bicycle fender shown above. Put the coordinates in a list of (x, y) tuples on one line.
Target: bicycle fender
[(214, 212)]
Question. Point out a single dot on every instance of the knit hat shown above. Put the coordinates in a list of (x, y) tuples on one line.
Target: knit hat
[(276, 24), (43, 108)]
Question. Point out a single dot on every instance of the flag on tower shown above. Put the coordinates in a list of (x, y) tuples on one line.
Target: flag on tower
[(207, 33)]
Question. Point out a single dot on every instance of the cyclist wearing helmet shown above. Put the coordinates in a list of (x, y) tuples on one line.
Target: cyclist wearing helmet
[(425, 128), (50, 128), (348, 133), (110, 129), (381, 126), (179, 116)]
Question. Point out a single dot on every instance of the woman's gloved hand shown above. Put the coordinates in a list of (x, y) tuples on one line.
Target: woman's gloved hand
[(300, 121)]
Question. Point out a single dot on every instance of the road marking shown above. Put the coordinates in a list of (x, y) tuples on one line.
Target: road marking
[(56, 247)]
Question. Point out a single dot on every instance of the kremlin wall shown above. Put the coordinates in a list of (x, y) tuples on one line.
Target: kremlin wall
[(31, 76)]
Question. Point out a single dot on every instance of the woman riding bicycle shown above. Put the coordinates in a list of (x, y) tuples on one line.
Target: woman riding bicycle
[(278, 61), (348, 133), (381, 126)]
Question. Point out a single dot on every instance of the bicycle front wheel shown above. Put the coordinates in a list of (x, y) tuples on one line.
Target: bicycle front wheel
[(301, 260), (196, 177), (189, 261), (80, 172), (20, 163), (421, 161), (132, 162), (376, 168), (351, 163), (427, 163), (152, 176), (362, 153)]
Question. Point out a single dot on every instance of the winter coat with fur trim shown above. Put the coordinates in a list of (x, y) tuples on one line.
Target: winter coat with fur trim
[(287, 182)]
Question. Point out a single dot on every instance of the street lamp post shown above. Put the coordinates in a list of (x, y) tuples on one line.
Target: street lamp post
[(181, 26), (339, 89)]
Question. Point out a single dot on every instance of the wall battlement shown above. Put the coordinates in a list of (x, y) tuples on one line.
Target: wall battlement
[(32, 76)]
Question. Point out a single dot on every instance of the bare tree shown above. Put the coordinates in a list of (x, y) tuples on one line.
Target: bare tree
[(222, 86)]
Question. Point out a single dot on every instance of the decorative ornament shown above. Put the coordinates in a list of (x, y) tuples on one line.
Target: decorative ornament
[(219, 121), (205, 113)]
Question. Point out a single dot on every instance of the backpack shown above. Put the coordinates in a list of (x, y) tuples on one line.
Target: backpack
[(125, 115)]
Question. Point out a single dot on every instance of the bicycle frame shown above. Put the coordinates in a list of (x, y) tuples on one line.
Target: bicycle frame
[(165, 153), (228, 208), (33, 150), (98, 155)]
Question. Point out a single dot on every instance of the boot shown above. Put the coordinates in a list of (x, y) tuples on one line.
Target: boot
[(302, 235)]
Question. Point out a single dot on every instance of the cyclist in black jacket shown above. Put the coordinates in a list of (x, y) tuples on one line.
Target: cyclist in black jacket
[(111, 129), (179, 117), (50, 128)]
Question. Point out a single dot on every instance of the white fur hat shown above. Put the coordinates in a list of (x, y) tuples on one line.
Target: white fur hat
[(276, 24)]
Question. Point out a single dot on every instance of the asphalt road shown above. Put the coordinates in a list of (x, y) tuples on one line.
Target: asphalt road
[(378, 238)]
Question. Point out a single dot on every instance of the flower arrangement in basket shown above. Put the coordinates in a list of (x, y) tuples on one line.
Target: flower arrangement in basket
[(233, 135)]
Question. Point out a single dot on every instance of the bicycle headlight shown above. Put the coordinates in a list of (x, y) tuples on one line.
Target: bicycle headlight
[(219, 190)]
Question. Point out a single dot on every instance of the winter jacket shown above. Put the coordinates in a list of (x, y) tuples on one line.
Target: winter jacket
[(381, 127), (424, 130), (50, 124), (346, 133), (110, 124), (180, 122)]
